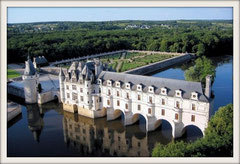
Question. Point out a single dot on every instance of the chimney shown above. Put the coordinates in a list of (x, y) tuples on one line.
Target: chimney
[(208, 88)]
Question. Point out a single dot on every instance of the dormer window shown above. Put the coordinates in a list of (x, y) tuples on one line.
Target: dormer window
[(99, 81), (150, 89), (127, 86), (178, 93), (109, 83), (139, 87), (118, 84), (164, 91), (194, 96)]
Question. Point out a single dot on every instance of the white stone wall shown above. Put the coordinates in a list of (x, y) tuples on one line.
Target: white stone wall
[(185, 112), (92, 96), (30, 88)]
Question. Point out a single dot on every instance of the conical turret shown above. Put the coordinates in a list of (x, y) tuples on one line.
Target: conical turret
[(29, 68)]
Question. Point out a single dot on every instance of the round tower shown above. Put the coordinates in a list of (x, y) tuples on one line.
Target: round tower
[(61, 85), (30, 79)]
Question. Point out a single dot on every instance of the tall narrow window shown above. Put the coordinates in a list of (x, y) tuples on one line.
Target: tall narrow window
[(193, 118), (139, 97), (193, 107), (150, 100), (163, 112), (163, 102), (67, 86), (109, 92), (126, 106), (176, 116), (68, 95), (149, 111), (127, 95), (177, 104), (118, 103), (100, 99), (139, 107), (81, 98), (81, 90), (118, 93), (99, 90), (108, 102)]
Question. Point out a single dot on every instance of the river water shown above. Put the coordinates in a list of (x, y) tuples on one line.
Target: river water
[(48, 131)]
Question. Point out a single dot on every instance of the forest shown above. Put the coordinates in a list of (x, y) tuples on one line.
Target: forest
[(73, 39)]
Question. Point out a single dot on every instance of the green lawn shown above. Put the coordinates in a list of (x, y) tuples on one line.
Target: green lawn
[(12, 74)]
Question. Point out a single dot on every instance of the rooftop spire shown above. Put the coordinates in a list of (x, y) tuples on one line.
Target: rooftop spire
[(29, 67)]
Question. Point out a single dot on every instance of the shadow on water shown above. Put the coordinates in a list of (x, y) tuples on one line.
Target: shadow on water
[(75, 135), (191, 133)]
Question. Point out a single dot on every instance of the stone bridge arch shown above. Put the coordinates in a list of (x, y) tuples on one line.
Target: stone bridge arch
[(114, 114), (201, 129), (136, 116), (158, 122)]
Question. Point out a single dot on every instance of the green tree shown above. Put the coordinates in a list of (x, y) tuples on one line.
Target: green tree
[(202, 67)]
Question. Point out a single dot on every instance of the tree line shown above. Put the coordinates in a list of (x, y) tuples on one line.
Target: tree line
[(205, 40)]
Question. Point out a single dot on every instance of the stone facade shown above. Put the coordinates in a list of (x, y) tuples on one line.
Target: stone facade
[(94, 90), (29, 88)]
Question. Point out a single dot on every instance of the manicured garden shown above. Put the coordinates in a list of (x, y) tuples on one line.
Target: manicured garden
[(133, 60)]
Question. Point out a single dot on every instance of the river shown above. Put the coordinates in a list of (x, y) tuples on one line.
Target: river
[(48, 131)]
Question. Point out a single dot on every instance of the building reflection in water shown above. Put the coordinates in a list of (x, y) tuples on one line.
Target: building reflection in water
[(98, 137), (35, 121)]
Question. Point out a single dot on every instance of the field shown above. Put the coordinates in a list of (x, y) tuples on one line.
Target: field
[(12, 74)]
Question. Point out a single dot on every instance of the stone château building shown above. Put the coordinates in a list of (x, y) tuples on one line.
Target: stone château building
[(92, 89)]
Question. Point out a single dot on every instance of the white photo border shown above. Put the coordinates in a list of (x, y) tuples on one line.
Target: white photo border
[(4, 4)]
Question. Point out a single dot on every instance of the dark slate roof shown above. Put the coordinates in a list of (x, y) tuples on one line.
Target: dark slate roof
[(29, 68), (172, 85), (85, 70), (40, 60)]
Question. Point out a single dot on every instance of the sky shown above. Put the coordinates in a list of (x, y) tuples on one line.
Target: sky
[(27, 15)]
